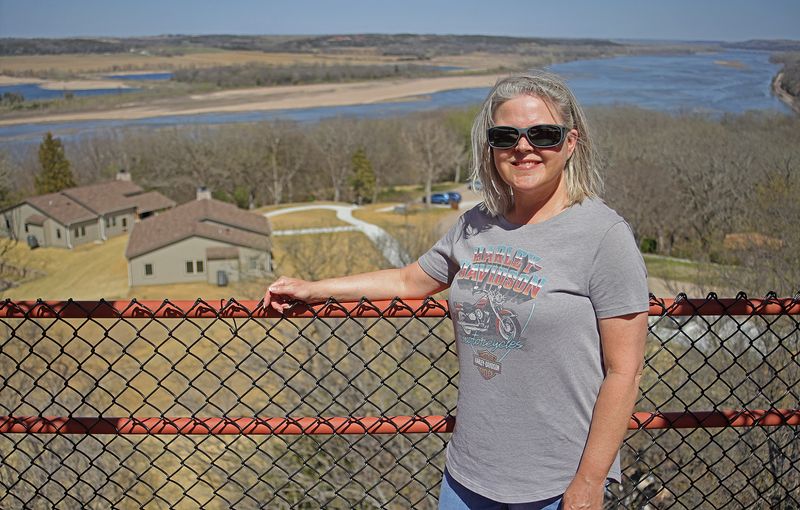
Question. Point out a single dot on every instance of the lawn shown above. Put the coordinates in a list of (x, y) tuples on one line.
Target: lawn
[(416, 215), (90, 271), (314, 218)]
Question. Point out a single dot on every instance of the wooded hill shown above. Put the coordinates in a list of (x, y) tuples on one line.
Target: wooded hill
[(414, 45)]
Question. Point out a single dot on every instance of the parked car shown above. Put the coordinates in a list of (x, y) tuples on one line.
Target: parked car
[(444, 198)]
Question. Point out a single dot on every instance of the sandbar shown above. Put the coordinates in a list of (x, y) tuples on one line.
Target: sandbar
[(14, 80), (275, 98), (83, 85)]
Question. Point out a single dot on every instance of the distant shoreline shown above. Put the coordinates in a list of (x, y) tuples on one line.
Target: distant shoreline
[(785, 97), (275, 98)]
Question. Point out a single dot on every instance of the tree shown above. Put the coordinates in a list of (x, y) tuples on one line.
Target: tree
[(5, 178), (332, 143), (436, 150), (56, 174), (362, 180)]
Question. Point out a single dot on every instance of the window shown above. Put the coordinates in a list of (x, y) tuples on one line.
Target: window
[(83, 231), (189, 266), (8, 223), (76, 233), (114, 221), (108, 222), (199, 266), (124, 222), (148, 269), (26, 228), (253, 263), (58, 233)]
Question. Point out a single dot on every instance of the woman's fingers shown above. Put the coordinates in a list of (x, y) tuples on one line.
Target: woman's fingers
[(282, 294)]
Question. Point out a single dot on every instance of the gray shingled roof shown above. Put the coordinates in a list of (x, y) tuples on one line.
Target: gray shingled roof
[(86, 203), (105, 197), (151, 201), (210, 219), (62, 208)]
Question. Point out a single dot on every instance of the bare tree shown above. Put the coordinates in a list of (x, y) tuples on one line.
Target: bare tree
[(435, 149), (333, 142)]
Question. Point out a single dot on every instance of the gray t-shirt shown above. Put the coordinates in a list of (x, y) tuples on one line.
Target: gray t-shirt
[(525, 300)]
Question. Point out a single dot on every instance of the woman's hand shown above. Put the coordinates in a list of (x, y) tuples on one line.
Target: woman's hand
[(284, 291), (583, 494), (406, 282)]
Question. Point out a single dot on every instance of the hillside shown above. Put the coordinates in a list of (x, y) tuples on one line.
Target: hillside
[(388, 44)]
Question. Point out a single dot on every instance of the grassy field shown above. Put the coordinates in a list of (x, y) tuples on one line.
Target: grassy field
[(671, 268), (416, 216), (306, 219), (89, 271)]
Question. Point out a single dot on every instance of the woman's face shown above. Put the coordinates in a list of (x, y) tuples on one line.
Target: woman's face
[(532, 172)]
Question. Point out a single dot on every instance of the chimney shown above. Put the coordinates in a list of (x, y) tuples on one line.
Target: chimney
[(203, 193), (123, 175)]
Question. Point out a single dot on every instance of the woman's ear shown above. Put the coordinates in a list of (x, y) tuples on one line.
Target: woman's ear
[(572, 141)]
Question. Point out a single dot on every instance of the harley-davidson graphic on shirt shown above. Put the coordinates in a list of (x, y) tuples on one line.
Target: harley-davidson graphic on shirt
[(503, 282)]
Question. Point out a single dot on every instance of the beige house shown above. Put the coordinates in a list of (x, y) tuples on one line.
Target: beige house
[(83, 214), (203, 240)]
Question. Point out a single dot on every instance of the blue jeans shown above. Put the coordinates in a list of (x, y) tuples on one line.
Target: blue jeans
[(454, 496)]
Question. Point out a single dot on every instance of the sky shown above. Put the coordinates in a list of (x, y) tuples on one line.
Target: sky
[(727, 20)]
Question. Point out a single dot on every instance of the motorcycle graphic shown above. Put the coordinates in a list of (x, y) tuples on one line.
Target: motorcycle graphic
[(488, 313)]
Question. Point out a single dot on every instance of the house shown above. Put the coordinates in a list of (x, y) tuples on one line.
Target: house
[(203, 240), (83, 214)]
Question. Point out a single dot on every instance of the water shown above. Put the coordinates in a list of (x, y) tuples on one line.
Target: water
[(678, 83), (714, 83), (33, 91)]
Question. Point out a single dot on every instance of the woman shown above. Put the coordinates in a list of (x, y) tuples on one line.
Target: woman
[(549, 298)]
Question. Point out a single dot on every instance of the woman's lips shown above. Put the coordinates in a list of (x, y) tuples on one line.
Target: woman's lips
[(525, 163)]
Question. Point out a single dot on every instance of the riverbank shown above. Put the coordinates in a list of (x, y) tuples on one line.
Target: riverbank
[(272, 98), (781, 93)]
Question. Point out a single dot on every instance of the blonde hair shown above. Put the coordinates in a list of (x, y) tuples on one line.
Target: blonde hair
[(582, 177)]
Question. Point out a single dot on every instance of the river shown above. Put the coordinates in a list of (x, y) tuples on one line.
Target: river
[(711, 83)]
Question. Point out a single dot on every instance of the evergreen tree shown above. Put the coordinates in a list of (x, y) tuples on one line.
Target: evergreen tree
[(56, 174), (362, 179)]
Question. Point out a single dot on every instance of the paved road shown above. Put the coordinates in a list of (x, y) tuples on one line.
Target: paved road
[(388, 245)]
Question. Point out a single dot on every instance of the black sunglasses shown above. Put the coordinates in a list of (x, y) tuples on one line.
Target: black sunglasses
[(540, 136)]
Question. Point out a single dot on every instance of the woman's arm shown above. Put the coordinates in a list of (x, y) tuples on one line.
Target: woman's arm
[(623, 340), (406, 282)]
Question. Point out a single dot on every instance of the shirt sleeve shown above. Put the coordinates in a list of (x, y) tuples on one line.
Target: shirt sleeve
[(439, 262), (618, 278)]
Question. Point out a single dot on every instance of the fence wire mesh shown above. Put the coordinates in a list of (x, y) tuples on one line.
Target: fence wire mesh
[(227, 405)]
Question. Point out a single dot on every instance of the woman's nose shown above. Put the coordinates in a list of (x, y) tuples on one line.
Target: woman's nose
[(523, 145)]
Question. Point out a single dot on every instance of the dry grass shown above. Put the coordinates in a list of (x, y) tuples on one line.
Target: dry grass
[(90, 271), (315, 218), (246, 290), (89, 63), (325, 255), (417, 216), (269, 208)]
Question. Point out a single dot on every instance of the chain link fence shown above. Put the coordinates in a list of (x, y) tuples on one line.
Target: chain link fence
[(350, 405)]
